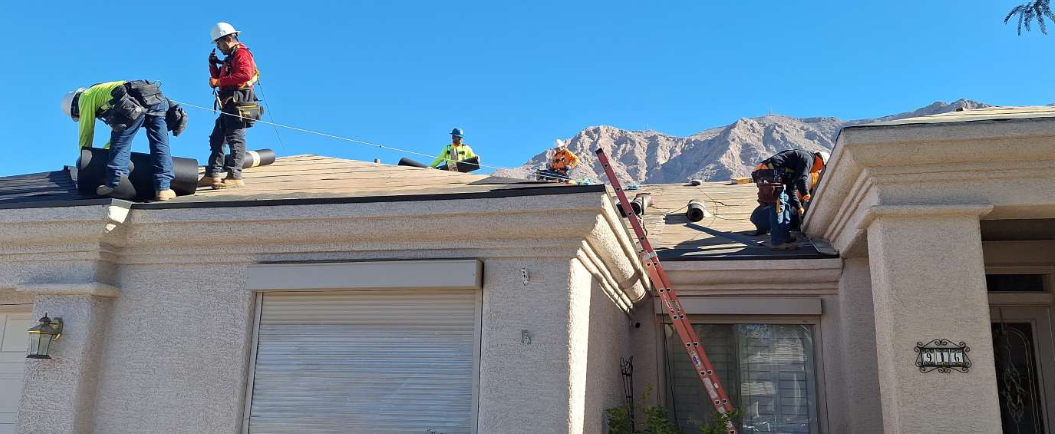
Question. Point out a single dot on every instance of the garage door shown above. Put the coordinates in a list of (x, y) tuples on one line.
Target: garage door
[(369, 362), (13, 341)]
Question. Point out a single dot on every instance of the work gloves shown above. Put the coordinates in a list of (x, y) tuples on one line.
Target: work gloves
[(214, 82), (213, 60)]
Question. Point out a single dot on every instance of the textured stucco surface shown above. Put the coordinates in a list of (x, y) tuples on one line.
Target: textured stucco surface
[(177, 350), (852, 385), (609, 340), (928, 282), (59, 395), (519, 382)]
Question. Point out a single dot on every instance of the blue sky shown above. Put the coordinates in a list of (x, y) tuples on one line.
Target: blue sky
[(514, 75)]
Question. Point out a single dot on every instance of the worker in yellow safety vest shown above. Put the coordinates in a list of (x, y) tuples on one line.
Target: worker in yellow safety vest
[(454, 152)]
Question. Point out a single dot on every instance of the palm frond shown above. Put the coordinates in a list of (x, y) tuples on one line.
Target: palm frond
[(1015, 10), (1046, 9), (1021, 16), (1038, 12)]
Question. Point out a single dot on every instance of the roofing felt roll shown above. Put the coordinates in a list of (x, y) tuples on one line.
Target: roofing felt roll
[(259, 157), (408, 162), (139, 185)]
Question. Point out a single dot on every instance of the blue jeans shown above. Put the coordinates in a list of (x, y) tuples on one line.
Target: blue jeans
[(780, 221), (160, 155)]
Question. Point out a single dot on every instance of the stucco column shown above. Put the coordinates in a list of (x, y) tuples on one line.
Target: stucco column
[(858, 341), (928, 282), (58, 395)]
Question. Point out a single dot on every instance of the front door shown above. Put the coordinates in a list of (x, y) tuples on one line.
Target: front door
[(1025, 368)]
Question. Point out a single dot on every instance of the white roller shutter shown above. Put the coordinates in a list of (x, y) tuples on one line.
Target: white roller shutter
[(349, 362)]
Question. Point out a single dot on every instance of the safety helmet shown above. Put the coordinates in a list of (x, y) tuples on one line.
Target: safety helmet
[(824, 157), (222, 29), (560, 144), (67, 103), (457, 132)]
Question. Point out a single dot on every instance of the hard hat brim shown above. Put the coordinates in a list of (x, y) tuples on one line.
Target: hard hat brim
[(229, 34)]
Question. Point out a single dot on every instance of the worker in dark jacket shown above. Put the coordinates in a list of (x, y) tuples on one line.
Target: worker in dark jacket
[(233, 78), (799, 172)]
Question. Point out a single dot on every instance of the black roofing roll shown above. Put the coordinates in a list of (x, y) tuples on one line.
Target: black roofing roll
[(408, 162), (259, 157), (139, 185), (91, 172)]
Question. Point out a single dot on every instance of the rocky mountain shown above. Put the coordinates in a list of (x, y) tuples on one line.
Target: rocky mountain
[(715, 154)]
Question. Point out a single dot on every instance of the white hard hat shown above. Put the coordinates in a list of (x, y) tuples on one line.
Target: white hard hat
[(559, 143), (67, 103), (222, 29), (824, 157)]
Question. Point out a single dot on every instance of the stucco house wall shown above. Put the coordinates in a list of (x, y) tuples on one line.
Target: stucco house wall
[(159, 320), (609, 341)]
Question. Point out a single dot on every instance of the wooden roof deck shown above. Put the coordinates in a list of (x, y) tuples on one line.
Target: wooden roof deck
[(725, 234)]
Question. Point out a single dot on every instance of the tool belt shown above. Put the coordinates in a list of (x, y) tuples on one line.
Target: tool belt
[(176, 118), (130, 101), (243, 104), (769, 192)]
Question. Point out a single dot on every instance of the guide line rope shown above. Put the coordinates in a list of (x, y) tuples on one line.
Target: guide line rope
[(327, 135)]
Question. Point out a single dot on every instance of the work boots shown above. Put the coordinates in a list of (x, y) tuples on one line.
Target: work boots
[(229, 182), (164, 195), (209, 181)]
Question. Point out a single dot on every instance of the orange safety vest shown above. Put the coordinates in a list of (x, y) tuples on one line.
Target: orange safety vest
[(563, 160)]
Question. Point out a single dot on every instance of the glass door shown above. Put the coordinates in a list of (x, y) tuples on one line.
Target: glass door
[(1022, 345)]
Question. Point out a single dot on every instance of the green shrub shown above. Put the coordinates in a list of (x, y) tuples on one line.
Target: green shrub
[(657, 419)]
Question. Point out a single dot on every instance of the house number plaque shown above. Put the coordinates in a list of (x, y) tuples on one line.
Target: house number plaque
[(943, 356)]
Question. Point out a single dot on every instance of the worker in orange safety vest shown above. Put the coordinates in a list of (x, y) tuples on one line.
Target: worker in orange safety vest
[(563, 159)]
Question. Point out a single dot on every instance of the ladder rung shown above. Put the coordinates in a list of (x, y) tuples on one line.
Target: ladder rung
[(681, 324)]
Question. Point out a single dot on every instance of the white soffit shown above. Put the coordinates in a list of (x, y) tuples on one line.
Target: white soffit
[(432, 274), (748, 306)]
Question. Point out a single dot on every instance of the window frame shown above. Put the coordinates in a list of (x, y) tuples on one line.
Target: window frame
[(818, 345)]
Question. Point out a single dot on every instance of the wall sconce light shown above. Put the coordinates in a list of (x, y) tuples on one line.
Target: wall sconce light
[(41, 335)]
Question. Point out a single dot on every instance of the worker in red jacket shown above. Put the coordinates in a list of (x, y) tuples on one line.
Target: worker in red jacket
[(232, 79)]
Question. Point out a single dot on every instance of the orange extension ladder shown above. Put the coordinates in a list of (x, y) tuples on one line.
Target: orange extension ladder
[(670, 302)]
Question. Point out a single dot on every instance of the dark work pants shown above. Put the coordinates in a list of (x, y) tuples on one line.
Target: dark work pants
[(780, 220), (794, 204), (230, 130)]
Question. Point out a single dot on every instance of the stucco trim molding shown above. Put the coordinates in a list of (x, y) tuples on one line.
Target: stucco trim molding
[(922, 211), (749, 306), (93, 289), (431, 274)]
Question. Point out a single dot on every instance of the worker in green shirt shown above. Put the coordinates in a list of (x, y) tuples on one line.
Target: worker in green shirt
[(125, 106), (454, 152)]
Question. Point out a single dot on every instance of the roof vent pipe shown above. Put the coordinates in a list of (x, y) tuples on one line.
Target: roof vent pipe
[(696, 211), (641, 203)]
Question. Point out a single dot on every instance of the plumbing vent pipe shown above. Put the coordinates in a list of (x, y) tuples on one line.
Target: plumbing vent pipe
[(696, 211), (641, 203)]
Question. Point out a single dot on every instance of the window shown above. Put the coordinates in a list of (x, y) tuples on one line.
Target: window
[(1014, 282), (768, 370)]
